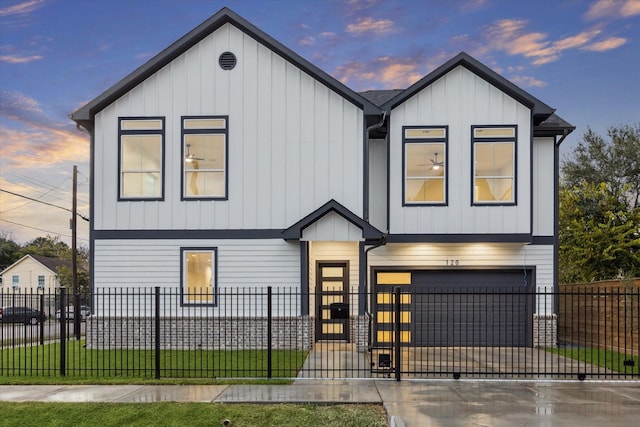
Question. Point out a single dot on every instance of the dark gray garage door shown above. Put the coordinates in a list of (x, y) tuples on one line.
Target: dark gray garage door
[(472, 308)]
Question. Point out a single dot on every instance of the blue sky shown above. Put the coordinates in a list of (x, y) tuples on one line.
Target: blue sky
[(582, 57)]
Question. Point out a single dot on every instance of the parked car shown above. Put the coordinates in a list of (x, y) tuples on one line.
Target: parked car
[(84, 312), (26, 315)]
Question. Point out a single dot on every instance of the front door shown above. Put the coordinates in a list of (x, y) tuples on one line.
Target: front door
[(332, 300)]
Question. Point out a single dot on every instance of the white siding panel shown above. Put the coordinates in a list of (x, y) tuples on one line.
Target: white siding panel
[(378, 183), (459, 100), (543, 183), (290, 141), (332, 227), (149, 263)]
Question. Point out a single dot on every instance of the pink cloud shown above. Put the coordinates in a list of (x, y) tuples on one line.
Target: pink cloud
[(21, 8), (528, 81), (613, 8), (14, 59), (369, 25), (511, 36), (608, 44)]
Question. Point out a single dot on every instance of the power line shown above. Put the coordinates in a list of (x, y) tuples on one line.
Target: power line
[(44, 203), (39, 229)]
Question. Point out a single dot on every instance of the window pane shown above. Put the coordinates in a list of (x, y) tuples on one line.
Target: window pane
[(507, 132), (205, 123), (141, 184), (204, 184), (199, 276), (425, 133), (494, 159), (141, 152), (493, 189), (425, 165), (204, 151), (425, 190), (152, 124)]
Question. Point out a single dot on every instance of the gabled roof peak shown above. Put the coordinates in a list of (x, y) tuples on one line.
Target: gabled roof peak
[(540, 110)]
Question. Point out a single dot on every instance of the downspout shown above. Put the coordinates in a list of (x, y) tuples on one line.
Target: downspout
[(556, 221), (365, 211)]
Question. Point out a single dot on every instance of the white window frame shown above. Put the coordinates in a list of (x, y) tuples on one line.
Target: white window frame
[(41, 281), (494, 134), (15, 281), (141, 126)]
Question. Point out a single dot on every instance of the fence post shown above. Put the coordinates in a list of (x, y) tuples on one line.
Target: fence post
[(396, 327), (63, 331), (157, 332), (269, 328), (42, 323)]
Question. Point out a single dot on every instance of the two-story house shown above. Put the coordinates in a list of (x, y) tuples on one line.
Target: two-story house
[(228, 160)]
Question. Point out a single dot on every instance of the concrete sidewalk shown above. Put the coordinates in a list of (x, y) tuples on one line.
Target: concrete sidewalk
[(408, 403)]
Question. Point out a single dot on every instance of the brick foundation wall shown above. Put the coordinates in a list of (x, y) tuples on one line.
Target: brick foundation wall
[(292, 333), (545, 330)]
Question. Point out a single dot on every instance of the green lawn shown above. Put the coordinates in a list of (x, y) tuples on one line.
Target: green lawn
[(600, 357), (40, 362), (192, 414)]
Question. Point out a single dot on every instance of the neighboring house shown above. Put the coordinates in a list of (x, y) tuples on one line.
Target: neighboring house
[(227, 160), (31, 274)]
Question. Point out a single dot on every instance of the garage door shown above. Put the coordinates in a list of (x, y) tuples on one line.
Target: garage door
[(484, 308)]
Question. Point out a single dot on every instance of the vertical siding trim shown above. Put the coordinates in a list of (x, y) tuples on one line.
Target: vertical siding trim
[(304, 278)]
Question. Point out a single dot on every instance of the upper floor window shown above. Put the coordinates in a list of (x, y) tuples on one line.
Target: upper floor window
[(494, 164), (141, 153), (204, 148), (199, 276), (425, 165)]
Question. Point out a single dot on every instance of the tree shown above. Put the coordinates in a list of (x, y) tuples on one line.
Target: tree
[(615, 162), (600, 207), (65, 278), (9, 250), (599, 236), (48, 246)]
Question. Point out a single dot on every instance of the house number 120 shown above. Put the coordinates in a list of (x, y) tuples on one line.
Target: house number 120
[(453, 262)]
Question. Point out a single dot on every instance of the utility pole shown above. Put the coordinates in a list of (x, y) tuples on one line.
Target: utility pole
[(74, 256)]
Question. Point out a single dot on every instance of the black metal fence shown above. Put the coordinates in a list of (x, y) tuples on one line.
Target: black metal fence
[(262, 333)]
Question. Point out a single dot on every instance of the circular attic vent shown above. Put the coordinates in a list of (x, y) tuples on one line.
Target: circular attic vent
[(227, 61)]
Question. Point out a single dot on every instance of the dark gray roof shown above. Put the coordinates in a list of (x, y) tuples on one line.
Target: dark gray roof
[(85, 115), (379, 97), (553, 125), (51, 263), (540, 110)]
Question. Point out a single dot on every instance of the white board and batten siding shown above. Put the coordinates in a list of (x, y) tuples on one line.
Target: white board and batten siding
[(293, 143), (543, 185), (334, 228), (473, 256), (244, 265), (459, 100)]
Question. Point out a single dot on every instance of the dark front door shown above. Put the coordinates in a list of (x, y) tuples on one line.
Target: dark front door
[(332, 298)]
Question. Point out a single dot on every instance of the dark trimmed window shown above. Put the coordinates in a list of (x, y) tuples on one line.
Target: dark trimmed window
[(141, 158), (494, 165), (425, 165), (204, 153), (199, 276)]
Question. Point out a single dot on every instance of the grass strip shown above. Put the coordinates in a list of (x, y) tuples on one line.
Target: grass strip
[(192, 414)]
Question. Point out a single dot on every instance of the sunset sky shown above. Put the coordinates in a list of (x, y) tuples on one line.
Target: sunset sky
[(579, 56)]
